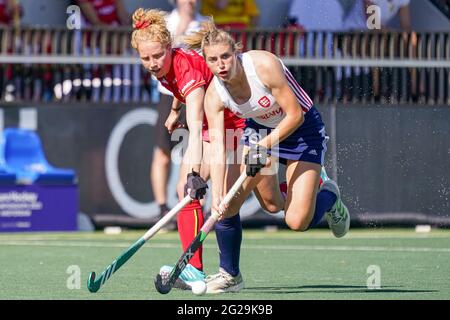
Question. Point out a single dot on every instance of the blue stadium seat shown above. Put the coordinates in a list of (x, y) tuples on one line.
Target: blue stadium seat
[(7, 175), (23, 153)]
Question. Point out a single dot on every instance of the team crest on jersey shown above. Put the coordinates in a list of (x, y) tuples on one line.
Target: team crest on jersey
[(264, 102)]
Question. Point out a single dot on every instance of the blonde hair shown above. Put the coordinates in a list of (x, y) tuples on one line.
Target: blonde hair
[(150, 25), (209, 35)]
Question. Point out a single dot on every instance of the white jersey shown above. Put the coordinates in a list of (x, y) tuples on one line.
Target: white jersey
[(262, 106)]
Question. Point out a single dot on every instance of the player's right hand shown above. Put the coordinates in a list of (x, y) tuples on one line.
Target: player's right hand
[(220, 208), (255, 159)]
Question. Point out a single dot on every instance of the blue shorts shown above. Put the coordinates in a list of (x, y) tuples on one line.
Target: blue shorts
[(307, 143)]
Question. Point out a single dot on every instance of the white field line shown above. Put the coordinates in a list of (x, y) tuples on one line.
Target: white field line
[(254, 247), (265, 236), (347, 237)]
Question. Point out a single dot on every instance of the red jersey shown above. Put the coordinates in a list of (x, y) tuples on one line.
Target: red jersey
[(105, 9), (189, 72), (5, 17)]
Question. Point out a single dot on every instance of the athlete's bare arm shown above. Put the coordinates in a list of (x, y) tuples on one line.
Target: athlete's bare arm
[(214, 109), (172, 121), (271, 73), (194, 120)]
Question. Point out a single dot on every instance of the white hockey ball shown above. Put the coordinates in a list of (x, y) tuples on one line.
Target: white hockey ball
[(199, 288)]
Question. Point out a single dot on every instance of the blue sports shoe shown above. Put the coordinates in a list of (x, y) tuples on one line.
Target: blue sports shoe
[(338, 217), (189, 275)]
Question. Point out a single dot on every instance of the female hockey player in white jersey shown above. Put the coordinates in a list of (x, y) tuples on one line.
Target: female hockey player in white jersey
[(258, 87)]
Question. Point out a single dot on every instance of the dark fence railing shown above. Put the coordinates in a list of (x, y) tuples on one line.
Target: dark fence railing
[(98, 65)]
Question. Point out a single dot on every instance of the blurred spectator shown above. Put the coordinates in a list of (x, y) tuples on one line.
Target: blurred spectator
[(233, 14), (324, 15), (104, 13), (327, 17), (391, 8), (10, 12), (355, 19), (104, 82), (311, 15), (355, 16), (10, 80), (182, 20)]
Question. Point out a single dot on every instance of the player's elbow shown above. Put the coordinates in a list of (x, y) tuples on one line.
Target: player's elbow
[(299, 117), (296, 117)]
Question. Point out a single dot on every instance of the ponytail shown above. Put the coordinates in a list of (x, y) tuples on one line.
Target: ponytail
[(208, 35)]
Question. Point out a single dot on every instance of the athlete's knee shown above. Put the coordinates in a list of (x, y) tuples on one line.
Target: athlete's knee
[(161, 158), (272, 207), (297, 225), (299, 221), (164, 160)]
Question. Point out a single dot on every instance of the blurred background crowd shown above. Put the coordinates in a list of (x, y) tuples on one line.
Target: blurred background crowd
[(330, 29)]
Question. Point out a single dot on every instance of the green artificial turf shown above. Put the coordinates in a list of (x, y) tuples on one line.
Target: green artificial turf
[(275, 265)]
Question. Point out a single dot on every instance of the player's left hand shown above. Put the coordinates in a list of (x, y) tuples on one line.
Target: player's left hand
[(195, 186)]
